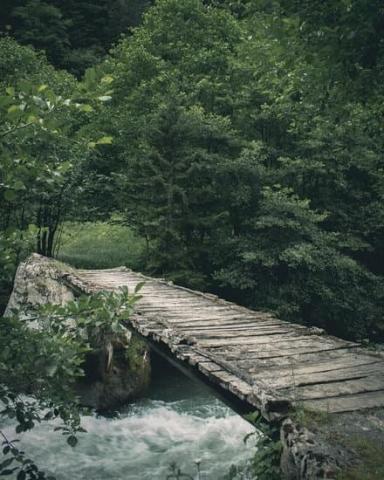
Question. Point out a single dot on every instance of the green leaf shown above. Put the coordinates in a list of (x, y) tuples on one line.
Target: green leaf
[(105, 141), (42, 88), (13, 108), (252, 417), (90, 76), (72, 441), (6, 463), (19, 185), (10, 91), (7, 472), (104, 98), (25, 87), (51, 370), (32, 119), (21, 475), (9, 195), (139, 286), (107, 79), (85, 108), (5, 101), (65, 166)]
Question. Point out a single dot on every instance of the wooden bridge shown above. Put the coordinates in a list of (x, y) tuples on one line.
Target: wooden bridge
[(252, 356)]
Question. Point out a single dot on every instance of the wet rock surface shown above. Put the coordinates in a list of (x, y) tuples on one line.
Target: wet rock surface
[(39, 281)]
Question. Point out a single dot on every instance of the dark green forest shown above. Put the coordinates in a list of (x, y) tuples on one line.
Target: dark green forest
[(242, 141)]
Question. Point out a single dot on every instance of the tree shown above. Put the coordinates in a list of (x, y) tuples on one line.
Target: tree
[(43, 26), (42, 146), (172, 195), (74, 35)]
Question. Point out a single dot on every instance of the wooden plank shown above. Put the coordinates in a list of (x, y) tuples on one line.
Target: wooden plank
[(216, 324), (340, 374), (195, 304), (288, 353), (213, 322), (182, 320), (335, 363), (285, 347), (248, 353), (225, 317), (372, 383), (347, 403), (208, 367), (232, 349), (228, 336), (302, 341), (240, 343), (232, 383)]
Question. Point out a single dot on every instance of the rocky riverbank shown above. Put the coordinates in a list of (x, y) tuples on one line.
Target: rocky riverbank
[(118, 367)]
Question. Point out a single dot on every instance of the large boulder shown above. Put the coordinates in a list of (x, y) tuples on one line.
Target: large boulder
[(118, 367)]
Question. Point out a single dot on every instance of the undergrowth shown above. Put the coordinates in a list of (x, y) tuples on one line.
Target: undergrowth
[(372, 461)]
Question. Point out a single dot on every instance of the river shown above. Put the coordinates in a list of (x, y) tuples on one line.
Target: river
[(178, 421)]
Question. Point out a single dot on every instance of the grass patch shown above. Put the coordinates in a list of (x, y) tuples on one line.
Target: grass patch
[(99, 245), (311, 418), (372, 461)]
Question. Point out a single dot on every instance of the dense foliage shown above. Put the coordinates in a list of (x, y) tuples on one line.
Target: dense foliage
[(247, 151), (42, 149), (74, 34)]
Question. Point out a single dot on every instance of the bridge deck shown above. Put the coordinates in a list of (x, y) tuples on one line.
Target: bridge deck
[(264, 361)]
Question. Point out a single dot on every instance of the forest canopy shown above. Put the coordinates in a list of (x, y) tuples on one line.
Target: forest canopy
[(242, 140)]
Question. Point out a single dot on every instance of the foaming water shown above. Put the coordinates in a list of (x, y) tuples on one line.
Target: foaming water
[(142, 439)]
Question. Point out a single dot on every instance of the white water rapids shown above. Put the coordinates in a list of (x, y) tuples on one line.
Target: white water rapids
[(179, 422)]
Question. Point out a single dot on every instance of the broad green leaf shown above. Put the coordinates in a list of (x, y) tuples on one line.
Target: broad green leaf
[(85, 108), (21, 475), (51, 370), (13, 108), (6, 463), (8, 471), (104, 140), (72, 441), (107, 79), (19, 185), (139, 286), (105, 98), (252, 417), (25, 87), (32, 119), (65, 166), (5, 101), (9, 195)]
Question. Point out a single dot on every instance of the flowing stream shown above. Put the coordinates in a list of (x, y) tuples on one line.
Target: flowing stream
[(178, 421)]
